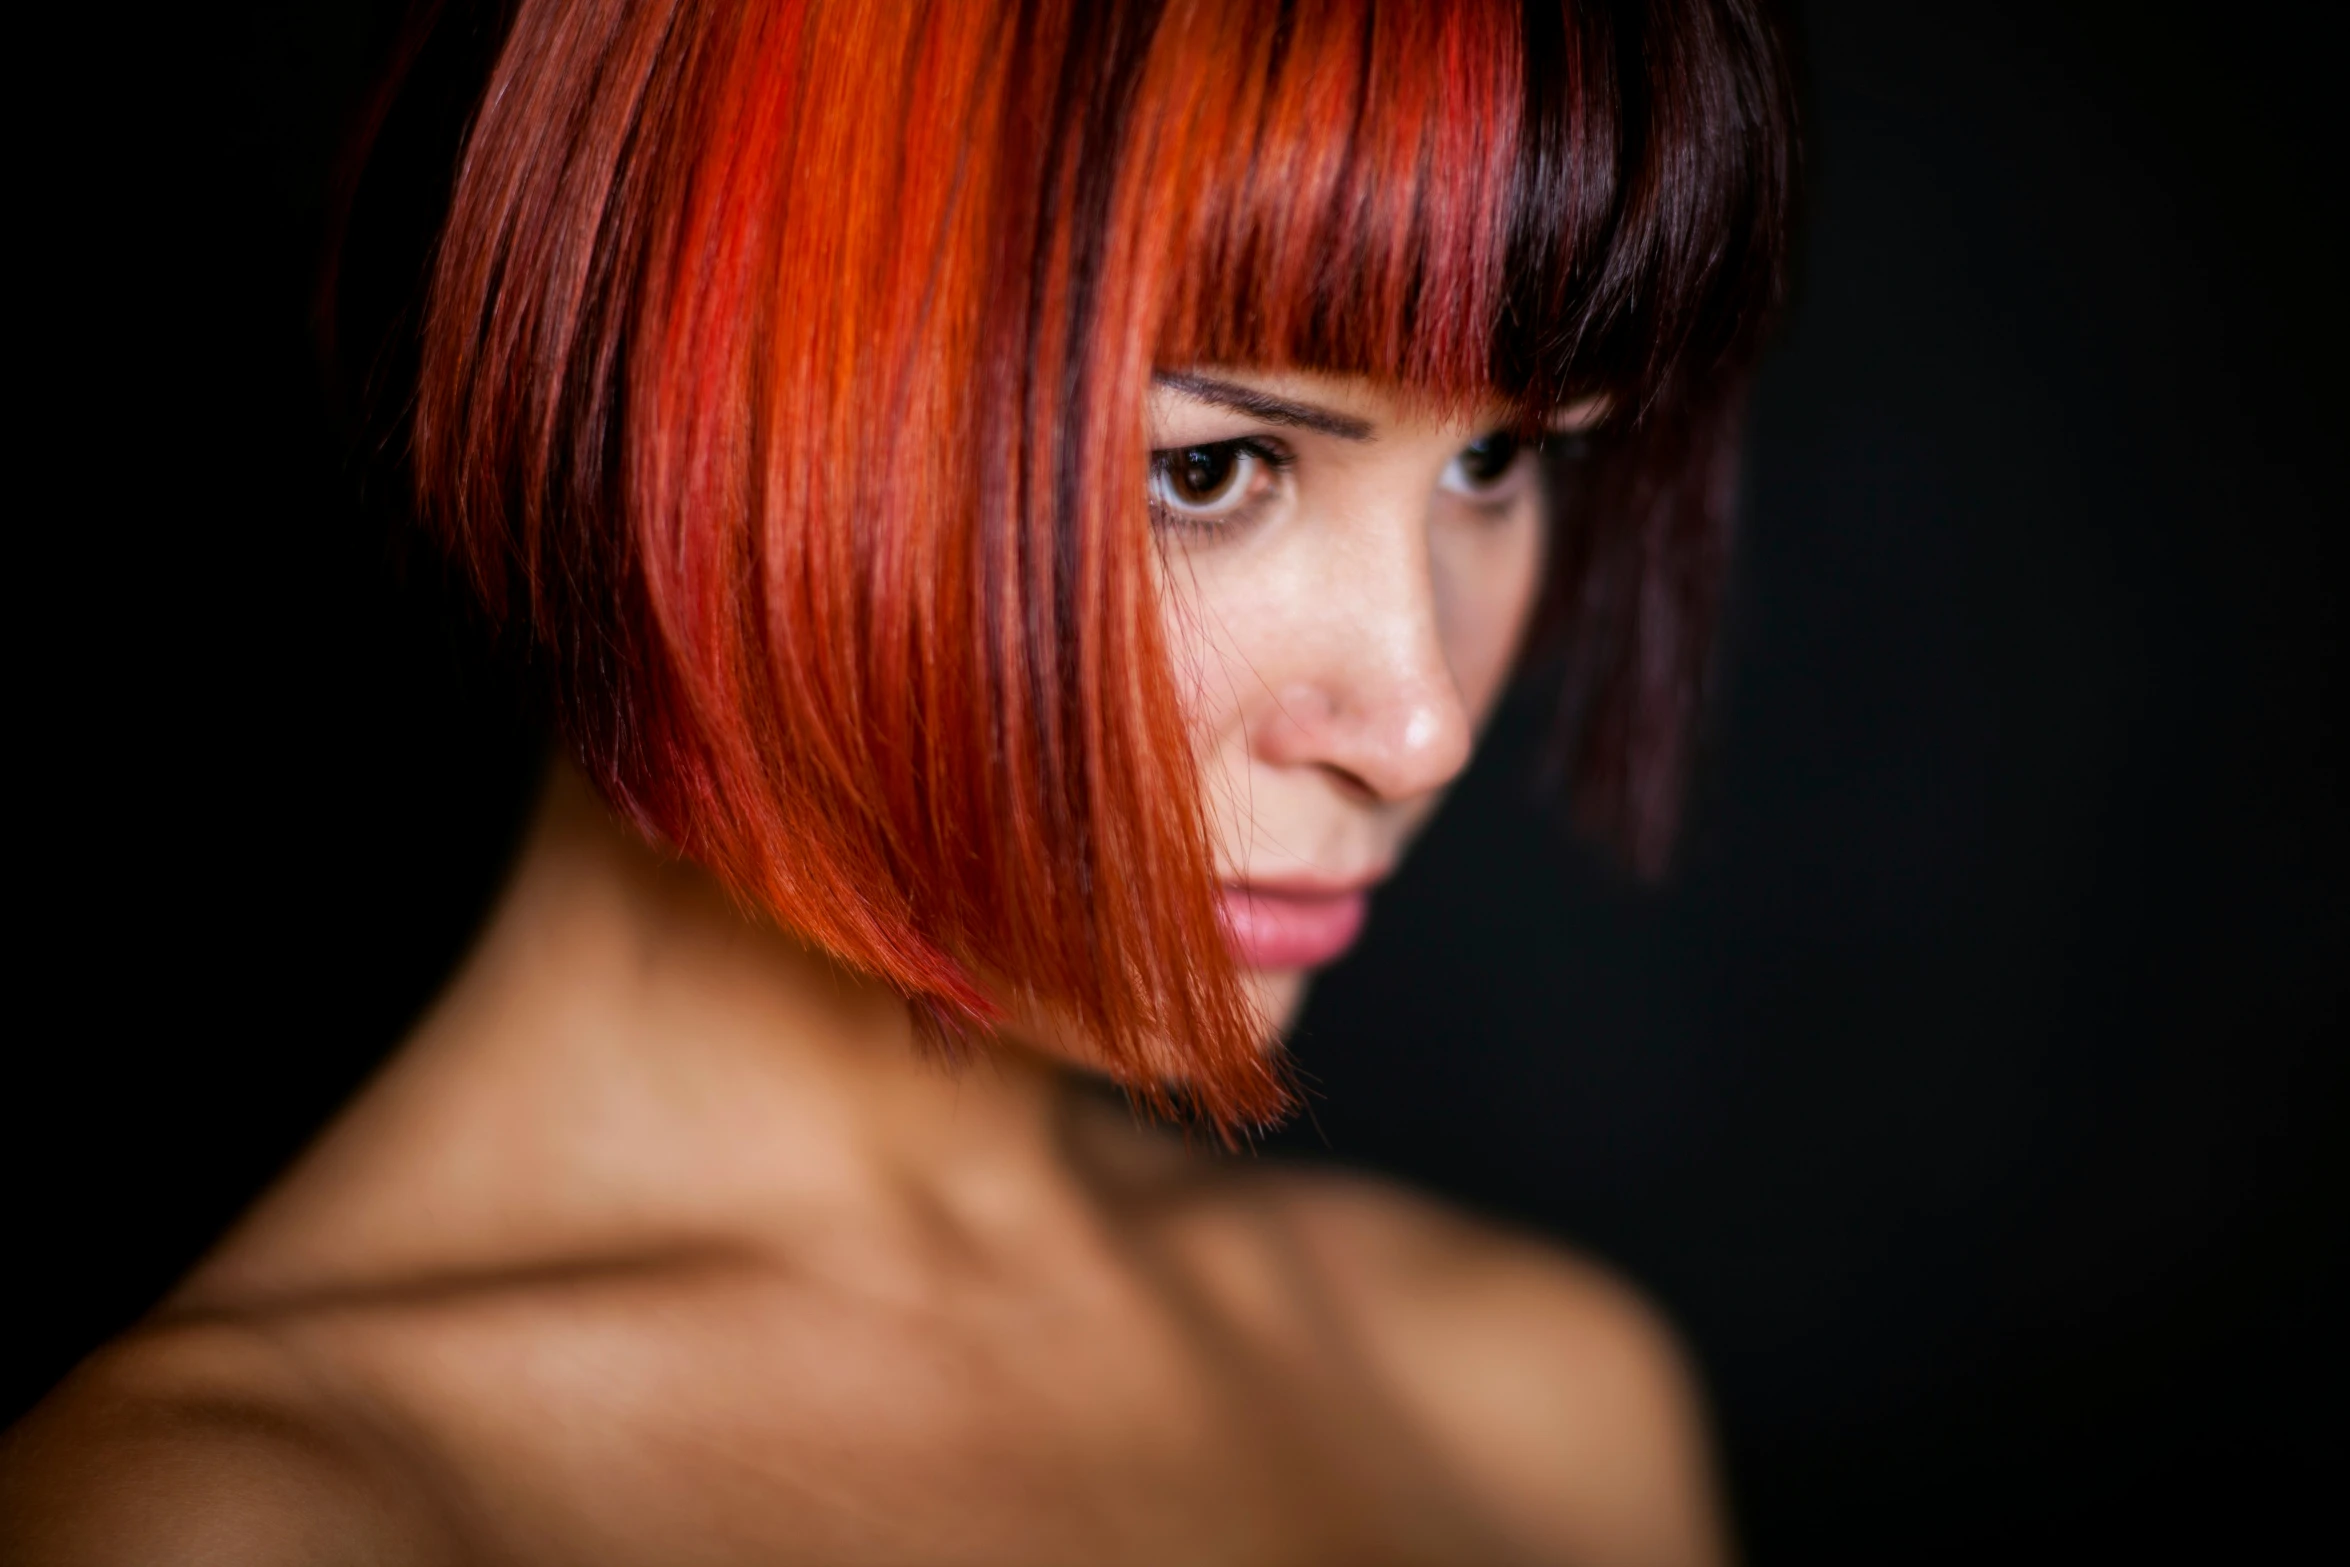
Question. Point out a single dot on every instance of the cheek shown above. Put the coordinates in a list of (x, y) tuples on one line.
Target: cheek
[(1230, 619), (1488, 574), (1201, 599)]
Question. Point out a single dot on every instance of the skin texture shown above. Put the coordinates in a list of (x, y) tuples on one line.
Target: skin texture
[(662, 1242)]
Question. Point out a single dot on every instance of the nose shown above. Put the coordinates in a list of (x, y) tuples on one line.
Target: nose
[(1372, 698)]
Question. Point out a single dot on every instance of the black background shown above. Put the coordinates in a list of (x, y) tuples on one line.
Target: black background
[(1969, 1094)]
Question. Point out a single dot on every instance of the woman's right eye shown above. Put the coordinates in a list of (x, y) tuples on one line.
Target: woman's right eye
[(1483, 468), (1211, 483)]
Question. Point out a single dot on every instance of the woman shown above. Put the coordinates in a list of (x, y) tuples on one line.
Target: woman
[(1020, 512)]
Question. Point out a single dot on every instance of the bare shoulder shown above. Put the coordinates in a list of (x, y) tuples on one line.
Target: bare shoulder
[(1546, 1377), (196, 1444)]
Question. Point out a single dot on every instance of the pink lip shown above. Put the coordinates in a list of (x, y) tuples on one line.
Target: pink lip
[(1292, 927)]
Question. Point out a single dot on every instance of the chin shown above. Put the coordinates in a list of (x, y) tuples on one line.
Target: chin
[(1279, 994)]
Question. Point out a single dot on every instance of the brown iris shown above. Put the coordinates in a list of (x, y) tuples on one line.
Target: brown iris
[(1202, 477)]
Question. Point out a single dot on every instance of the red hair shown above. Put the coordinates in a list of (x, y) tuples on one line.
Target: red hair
[(781, 370)]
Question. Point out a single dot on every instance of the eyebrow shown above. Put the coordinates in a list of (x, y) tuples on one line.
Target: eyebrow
[(1264, 405)]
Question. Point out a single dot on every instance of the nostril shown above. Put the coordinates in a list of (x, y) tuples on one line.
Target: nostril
[(1353, 784)]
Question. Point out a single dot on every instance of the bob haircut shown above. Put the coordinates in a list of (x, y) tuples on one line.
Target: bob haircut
[(780, 372)]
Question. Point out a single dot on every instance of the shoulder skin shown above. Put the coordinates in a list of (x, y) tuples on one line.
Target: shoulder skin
[(1551, 1382), (203, 1444)]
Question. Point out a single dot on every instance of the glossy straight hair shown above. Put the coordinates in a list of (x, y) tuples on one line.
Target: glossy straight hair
[(780, 375)]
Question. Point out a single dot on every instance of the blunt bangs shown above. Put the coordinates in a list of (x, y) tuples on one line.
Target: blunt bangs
[(780, 380), (1481, 200)]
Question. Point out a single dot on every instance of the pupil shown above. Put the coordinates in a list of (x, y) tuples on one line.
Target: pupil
[(1203, 472), (1488, 458)]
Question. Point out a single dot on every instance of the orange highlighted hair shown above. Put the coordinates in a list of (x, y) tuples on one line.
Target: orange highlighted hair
[(781, 370)]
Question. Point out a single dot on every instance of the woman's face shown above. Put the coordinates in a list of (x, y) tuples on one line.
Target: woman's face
[(1347, 582)]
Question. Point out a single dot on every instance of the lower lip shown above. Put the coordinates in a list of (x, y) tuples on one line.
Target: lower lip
[(1289, 930)]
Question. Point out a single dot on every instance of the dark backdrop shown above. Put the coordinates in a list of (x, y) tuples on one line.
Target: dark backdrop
[(1968, 1094)]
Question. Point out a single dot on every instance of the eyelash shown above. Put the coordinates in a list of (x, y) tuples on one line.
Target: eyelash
[(1277, 458)]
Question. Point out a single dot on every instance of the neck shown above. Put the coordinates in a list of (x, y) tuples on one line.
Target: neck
[(628, 1059), (677, 989)]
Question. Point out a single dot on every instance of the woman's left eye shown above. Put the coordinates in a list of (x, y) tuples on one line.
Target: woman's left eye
[(1485, 466)]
